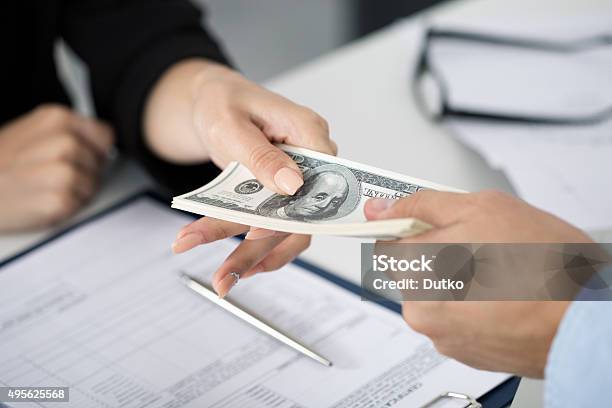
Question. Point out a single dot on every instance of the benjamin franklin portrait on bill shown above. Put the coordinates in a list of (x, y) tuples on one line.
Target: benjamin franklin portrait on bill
[(329, 192)]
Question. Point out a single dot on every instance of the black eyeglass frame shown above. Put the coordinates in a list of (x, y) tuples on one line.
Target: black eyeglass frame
[(424, 68)]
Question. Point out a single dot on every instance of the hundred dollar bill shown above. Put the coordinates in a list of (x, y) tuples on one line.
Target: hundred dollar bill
[(330, 201)]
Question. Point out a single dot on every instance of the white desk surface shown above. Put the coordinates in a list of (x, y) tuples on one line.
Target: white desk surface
[(363, 89)]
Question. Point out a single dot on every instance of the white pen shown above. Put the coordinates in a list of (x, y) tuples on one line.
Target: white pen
[(203, 290)]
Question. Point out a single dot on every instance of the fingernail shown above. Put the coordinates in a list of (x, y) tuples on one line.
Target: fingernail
[(288, 180), (186, 242), (227, 283), (259, 233), (381, 204)]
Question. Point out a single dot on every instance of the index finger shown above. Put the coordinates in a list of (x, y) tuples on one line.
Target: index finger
[(311, 131), (96, 134), (273, 167), (437, 208), (61, 119)]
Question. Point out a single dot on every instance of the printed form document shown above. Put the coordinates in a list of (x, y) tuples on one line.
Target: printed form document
[(102, 310)]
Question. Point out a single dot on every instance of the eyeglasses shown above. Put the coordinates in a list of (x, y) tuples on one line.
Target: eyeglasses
[(431, 91)]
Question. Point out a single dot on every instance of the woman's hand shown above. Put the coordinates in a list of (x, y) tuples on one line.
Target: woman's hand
[(233, 119), (501, 336), (50, 165), (238, 120), (267, 252)]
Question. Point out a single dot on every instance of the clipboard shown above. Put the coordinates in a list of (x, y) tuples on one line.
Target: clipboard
[(498, 397)]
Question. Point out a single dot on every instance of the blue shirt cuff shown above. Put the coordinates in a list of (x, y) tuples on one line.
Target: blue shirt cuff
[(578, 372)]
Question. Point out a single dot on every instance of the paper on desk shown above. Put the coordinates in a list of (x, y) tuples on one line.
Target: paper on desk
[(523, 82), (102, 311), (562, 169), (552, 27)]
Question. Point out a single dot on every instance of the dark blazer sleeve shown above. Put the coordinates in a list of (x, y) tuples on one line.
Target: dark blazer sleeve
[(127, 45)]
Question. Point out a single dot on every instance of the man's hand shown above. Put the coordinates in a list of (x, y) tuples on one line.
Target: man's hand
[(488, 216), (512, 337), (501, 336), (50, 162), (222, 116)]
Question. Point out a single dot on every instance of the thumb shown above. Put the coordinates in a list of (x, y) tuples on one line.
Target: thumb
[(270, 165), (433, 207)]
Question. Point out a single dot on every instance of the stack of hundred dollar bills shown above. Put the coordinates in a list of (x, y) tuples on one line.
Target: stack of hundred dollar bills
[(330, 202)]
